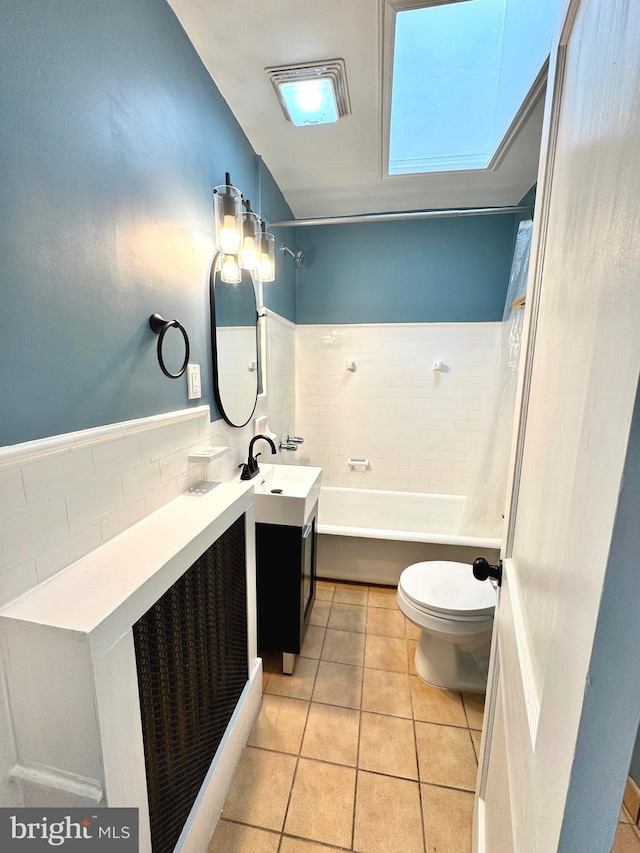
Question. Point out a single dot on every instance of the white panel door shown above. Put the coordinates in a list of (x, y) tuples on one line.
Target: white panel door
[(564, 694)]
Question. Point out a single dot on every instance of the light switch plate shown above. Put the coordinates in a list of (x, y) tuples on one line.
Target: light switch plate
[(193, 381)]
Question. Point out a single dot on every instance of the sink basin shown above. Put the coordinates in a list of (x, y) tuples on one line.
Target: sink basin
[(286, 494)]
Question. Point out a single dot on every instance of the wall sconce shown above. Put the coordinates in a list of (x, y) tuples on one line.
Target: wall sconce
[(242, 241), (227, 208), (267, 265), (248, 256), (298, 257), (229, 268)]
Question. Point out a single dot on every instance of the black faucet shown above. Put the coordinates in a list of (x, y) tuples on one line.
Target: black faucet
[(250, 467)]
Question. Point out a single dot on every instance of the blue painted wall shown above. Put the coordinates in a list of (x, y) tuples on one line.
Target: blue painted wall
[(112, 138), (395, 272)]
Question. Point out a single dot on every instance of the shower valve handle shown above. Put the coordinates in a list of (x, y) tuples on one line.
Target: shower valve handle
[(482, 570)]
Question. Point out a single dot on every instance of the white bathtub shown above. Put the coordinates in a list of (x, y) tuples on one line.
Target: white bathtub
[(369, 535)]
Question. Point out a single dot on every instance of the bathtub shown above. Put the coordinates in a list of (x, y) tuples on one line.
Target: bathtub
[(370, 535)]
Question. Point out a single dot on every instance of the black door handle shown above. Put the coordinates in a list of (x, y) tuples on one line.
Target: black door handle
[(482, 570)]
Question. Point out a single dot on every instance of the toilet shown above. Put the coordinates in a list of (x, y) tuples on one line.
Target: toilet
[(454, 612)]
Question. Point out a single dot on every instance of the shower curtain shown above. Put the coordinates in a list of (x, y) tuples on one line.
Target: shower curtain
[(485, 506)]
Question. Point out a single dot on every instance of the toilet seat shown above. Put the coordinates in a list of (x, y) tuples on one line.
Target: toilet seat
[(446, 589)]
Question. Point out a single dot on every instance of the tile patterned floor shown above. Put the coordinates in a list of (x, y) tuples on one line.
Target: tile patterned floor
[(627, 836), (354, 752)]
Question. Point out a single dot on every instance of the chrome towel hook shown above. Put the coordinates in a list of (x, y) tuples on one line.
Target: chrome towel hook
[(159, 327)]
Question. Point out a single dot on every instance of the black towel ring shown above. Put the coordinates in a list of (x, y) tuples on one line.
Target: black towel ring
[(159, 326)]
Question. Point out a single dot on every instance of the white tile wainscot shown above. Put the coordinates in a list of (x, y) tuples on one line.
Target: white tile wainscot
[(71, 669), (420, 430)]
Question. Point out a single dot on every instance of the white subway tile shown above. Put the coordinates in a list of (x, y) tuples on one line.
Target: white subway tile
[(186, 433), (174, 466), (122, 520), (140, 481), (17, 580), (55, 476), (55, 559), (158, 442), (29, 532), (87, 504), (114, 456), (397, 406), (12, 495), (161, 497)]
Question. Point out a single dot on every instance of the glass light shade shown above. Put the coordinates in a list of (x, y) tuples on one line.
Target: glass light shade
[(227, 208), (248, 255), (267, 262), (229, 269)]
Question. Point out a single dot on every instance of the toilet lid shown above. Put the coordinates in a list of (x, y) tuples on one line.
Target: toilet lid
[(447, 587)]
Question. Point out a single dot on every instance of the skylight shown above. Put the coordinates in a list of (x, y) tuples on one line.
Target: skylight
[(461, 72)]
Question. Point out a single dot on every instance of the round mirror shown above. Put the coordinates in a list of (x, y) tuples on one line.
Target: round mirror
[(234, 345)]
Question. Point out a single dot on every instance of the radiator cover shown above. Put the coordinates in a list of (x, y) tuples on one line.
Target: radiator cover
[(192, 664)]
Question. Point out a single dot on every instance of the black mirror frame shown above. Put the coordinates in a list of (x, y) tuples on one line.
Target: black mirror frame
[(214, 350)]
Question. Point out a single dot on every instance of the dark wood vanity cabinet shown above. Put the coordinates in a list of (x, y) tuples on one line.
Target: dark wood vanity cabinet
[(286, 572)]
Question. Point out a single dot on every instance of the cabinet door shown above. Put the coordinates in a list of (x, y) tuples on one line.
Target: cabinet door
[(308, 567), (279, 574)]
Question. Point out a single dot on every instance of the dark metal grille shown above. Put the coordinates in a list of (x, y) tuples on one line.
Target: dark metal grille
[(191, 654)]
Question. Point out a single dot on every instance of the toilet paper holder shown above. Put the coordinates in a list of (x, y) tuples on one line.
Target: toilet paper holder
[(359, 464)]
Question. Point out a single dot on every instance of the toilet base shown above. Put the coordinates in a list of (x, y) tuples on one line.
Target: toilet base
[(451, 666)]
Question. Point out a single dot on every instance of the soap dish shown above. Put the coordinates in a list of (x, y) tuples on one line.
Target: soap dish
[(207, 454)]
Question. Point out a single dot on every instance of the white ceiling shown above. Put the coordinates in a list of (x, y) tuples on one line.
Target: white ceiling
[(337, 169)]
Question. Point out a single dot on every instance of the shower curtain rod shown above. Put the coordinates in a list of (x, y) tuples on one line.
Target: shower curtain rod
[(395, 217)]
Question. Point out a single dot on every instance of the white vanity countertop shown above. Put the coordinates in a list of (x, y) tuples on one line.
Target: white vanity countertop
[(104, 593)]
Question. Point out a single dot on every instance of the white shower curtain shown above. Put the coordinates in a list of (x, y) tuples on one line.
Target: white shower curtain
[(485, 506)]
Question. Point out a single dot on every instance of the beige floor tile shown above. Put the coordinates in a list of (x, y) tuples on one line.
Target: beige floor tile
[(280, 724), (260, 789), (351, 594), (448, 819), (387, 815), (297, 845), (297, 686), (331, 734), (338, 684), (242, 839), (412, 631), (313, 640), (627, 839), (631, 799), (386, 653), (625, 817), (386, 692), (385, 622), (434, 705), (474, 706), (476, 737), (343, 647), (320, 613), (412, 645), (348, 617), (387, 745), (322, 801), (446, 756), (325, 590), (380, 596)]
